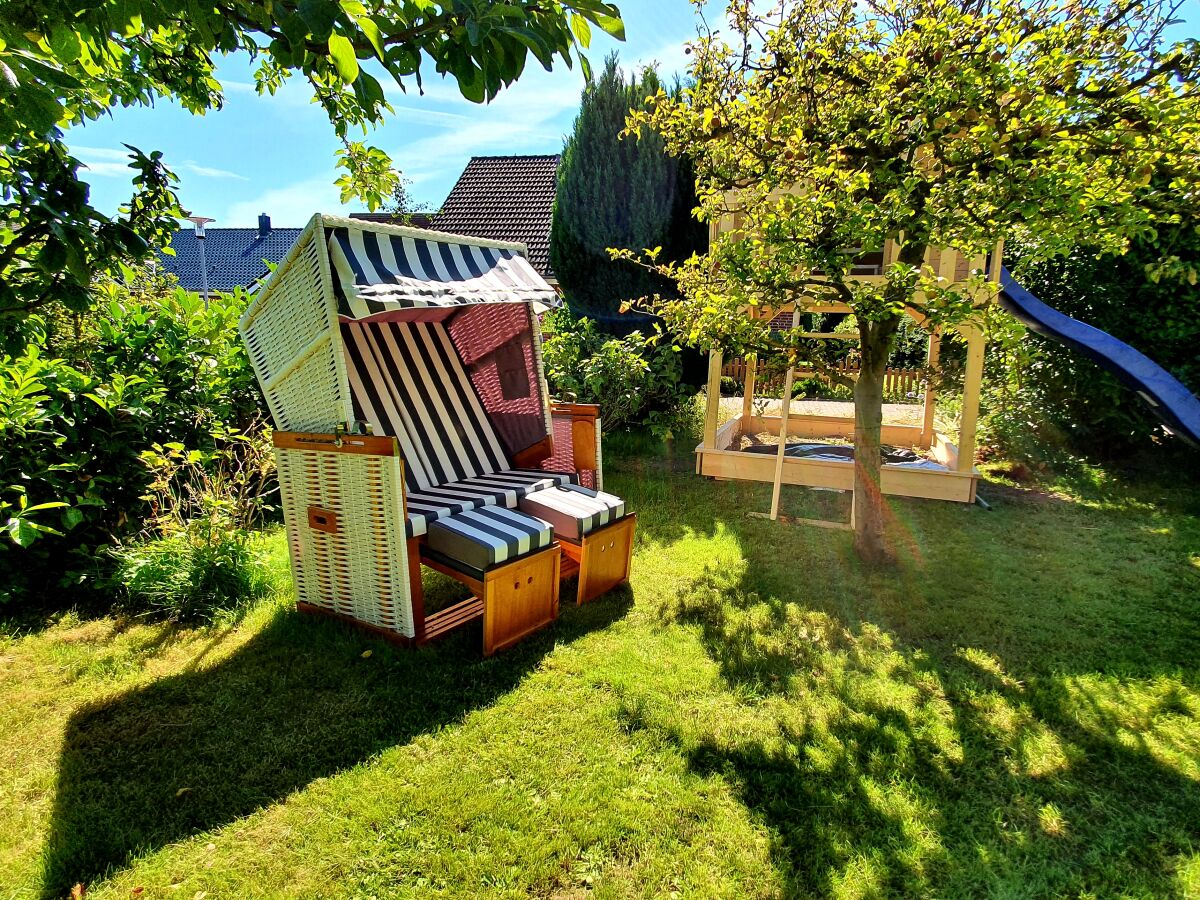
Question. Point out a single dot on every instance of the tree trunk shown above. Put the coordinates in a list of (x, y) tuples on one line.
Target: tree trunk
[(870, 513)]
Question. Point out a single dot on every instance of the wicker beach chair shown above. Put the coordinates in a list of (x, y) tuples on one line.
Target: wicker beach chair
[(403, 370)]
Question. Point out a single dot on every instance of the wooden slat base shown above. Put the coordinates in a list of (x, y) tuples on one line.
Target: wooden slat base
[(451, 617)]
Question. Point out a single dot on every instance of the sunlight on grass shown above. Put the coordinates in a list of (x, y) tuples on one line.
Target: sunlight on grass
[(1012, 711)]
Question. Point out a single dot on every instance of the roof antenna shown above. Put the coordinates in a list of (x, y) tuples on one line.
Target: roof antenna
[(200, 222)]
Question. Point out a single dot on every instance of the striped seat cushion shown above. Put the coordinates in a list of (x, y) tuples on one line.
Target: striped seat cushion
[(497, 489), (485, 537), (573, 510)]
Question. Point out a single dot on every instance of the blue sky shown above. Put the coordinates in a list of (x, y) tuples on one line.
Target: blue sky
[(276, 154)]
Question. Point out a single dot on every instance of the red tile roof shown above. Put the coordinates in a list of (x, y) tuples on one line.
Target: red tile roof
[(505, 198)]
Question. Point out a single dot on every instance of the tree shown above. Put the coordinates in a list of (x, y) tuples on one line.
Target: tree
[(64, 62), (834, 126), (617, 192)]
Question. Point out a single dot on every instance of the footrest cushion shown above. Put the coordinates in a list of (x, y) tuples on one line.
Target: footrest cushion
[(573, 510), (484, 537)]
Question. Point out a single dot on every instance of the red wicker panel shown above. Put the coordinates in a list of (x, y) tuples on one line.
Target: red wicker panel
[(495, 344), (563, 458)]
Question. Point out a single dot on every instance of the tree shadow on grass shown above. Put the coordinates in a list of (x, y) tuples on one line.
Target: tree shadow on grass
[(298, 702), (907, 752)]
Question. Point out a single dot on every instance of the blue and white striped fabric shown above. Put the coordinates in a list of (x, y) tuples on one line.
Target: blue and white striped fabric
[(379, 272), (482, 538), (498, 489), (407, 380)]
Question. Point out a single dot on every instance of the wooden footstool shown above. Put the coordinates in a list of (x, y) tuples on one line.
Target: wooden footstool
[(595, 531), (510, 561)]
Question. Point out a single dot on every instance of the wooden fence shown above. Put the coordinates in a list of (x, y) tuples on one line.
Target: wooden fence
[(896, 382)]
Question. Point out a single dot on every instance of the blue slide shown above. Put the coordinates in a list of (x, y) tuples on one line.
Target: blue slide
[(1167, 398)]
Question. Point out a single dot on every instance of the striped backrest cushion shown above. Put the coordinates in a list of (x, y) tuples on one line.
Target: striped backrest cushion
[(406, 380)]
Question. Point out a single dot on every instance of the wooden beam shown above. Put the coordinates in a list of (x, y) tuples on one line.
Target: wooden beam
[(751, 376), (972, 385), (932, 360), (781, 454), (797, 520), (713, 407)]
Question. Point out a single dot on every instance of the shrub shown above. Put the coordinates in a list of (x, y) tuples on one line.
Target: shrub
[(149, 365), (618, 192), (195, 556), (636, 380), (193, 574)]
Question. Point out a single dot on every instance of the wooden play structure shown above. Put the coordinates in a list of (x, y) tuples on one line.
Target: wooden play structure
[(403, 370), (947, 470)]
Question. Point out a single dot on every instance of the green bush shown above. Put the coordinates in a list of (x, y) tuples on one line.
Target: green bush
[(1044, 398), (636, 380), (193, 574), (80, 403), (619, 192), (195, 557)]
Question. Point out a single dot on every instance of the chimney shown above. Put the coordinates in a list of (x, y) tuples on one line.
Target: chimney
[(264, 225)]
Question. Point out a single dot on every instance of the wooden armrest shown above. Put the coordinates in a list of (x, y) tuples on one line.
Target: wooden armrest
[(575, 410)]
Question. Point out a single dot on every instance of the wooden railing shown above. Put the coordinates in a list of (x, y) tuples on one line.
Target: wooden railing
[(896, 382)]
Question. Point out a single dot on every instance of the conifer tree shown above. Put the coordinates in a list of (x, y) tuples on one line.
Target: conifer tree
[(615, 192)]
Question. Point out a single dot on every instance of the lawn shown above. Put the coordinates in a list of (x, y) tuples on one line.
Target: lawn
[(1014, 712)]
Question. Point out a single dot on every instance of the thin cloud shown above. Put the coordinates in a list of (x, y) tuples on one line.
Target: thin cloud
[(290, 206), (209, 171), (108, 162)]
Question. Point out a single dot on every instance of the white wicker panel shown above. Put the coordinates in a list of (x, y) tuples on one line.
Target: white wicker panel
[(536, 328), (307, 397), (361, 571), (289, 314)]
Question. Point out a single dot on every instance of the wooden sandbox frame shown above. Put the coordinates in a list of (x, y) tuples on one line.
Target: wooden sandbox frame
[(716, 458)]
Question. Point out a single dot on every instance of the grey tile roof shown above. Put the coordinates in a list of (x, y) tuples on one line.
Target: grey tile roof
[(235, 255), (505, 198)]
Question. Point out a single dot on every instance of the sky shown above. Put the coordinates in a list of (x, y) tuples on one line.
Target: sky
[(276, 155)]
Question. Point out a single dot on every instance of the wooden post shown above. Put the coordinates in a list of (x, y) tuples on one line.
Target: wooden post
[(947, 263), (972, 384), (714, 400), (783, 435), (935, 352), (751, 375), (997, 262)]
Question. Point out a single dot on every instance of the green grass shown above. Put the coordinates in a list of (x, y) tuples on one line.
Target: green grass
[(1014, 712)]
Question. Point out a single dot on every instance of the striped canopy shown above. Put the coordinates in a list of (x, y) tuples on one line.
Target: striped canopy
[(392, 270)]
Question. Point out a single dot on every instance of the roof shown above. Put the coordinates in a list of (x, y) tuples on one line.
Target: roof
[(505, 198), (234, 255)]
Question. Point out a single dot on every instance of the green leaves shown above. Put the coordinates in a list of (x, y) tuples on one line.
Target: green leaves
[(342, 52), (97, 54)]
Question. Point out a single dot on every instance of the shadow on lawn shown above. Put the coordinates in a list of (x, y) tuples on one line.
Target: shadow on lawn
[(297, 702), (914, 753)]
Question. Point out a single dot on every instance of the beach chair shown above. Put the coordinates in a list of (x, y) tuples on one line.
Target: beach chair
[(403, 371)]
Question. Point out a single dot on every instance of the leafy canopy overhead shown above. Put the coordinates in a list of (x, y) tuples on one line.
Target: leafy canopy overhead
[(832, 125), (64, 62)]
